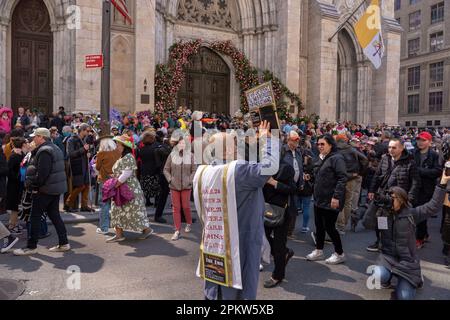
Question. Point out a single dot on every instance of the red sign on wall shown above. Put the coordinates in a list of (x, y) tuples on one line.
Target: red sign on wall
[(94, 61)]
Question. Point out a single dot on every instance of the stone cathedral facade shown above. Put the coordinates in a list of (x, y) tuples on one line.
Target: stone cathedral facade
[(42, 54)]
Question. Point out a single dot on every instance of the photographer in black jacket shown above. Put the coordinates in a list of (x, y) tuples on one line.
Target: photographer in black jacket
[(47, 178), (397, 224), (395, 169)]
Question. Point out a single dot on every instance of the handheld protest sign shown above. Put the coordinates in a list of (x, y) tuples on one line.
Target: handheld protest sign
[(262, 105)]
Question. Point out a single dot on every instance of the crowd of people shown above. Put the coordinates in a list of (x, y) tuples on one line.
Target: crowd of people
[(390, 178)]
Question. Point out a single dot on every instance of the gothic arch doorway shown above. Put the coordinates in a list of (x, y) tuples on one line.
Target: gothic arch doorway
[(347, 78), (32, 59), (206, 84)]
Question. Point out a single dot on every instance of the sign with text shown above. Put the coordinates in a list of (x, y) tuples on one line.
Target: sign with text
[(260, 96), (94, 61), (262, 105)]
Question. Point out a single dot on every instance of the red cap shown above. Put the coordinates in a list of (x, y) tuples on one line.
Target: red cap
[(425, 136)]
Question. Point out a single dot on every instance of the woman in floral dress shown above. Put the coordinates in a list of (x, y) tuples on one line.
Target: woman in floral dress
[(131, 216)]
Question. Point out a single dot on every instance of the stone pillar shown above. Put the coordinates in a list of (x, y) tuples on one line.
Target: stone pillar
[(247, 44), (169, 35), (3, 27), (345, 96), (59, 50), (322, 61), (386, 79), (260, 54), (145, 53), (88, 41), (364, 89)]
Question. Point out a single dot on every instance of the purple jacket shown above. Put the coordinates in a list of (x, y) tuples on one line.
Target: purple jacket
[(120, 196)]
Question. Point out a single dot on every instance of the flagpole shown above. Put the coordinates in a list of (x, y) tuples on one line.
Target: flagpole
[(342, 25), (106, 70)]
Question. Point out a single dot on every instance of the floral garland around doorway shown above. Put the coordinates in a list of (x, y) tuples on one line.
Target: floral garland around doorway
[(169, 77)]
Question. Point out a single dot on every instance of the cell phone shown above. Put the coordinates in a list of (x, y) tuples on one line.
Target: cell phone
[(447, 168)]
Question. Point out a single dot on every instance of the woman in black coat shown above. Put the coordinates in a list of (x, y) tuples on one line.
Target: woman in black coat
[(148, 174), (15, 185), (277, 192), (330, 178)]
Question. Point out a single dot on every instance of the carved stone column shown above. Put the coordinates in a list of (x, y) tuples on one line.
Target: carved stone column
[(3, 27), (364, 93), (145, 55), (322, 60)]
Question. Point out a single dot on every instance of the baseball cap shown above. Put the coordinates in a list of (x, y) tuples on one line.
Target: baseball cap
[(44, 132), (425, 136)]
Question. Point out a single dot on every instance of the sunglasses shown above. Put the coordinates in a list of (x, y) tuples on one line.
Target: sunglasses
[(321, 144)]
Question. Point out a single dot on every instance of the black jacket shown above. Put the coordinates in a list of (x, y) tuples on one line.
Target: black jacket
[(3, 173), (429, 173), (287, 157), (284, 191), (330, 178), (381, 149), (162, 152), (355, 161), (148, 159), (45, 172), (398, 243), (58, 123), (308, 168), (401, 173), (78, 161)]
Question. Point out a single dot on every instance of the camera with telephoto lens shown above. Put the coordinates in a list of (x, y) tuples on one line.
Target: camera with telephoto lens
[(383, 200)]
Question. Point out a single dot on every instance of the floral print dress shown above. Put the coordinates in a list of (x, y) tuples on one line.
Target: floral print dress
[(133, 215)]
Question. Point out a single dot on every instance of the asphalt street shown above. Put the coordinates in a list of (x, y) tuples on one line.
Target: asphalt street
[(158, 268)]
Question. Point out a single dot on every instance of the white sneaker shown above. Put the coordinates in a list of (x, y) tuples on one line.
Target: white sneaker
[(8, 243), (99, 231), (261, 267), (176, 236), (335, 259), (24, 252), (315, 255), (59, 248), (188, 228)]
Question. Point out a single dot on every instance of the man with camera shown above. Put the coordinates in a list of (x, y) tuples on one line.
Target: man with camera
[(427, 162), (78, 147), (395, 169)]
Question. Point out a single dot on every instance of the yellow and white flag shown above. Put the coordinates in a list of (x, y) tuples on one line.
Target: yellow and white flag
[(368, 32)]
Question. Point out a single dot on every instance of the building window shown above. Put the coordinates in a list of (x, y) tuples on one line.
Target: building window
[(437, 122), (429, 122), (413, 1), (414, 78), (398, 4), (437, 74), (407, 123), (413, 47), (435, 101), (414, 21), (414, 123), (436, 41), (437, 13), (413, 104)]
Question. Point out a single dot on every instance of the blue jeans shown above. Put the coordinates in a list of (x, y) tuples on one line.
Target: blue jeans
[(404, 291), (104, 211), (305, 204)]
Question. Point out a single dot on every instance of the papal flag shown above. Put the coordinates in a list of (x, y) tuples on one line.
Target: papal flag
[(368, 32)]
